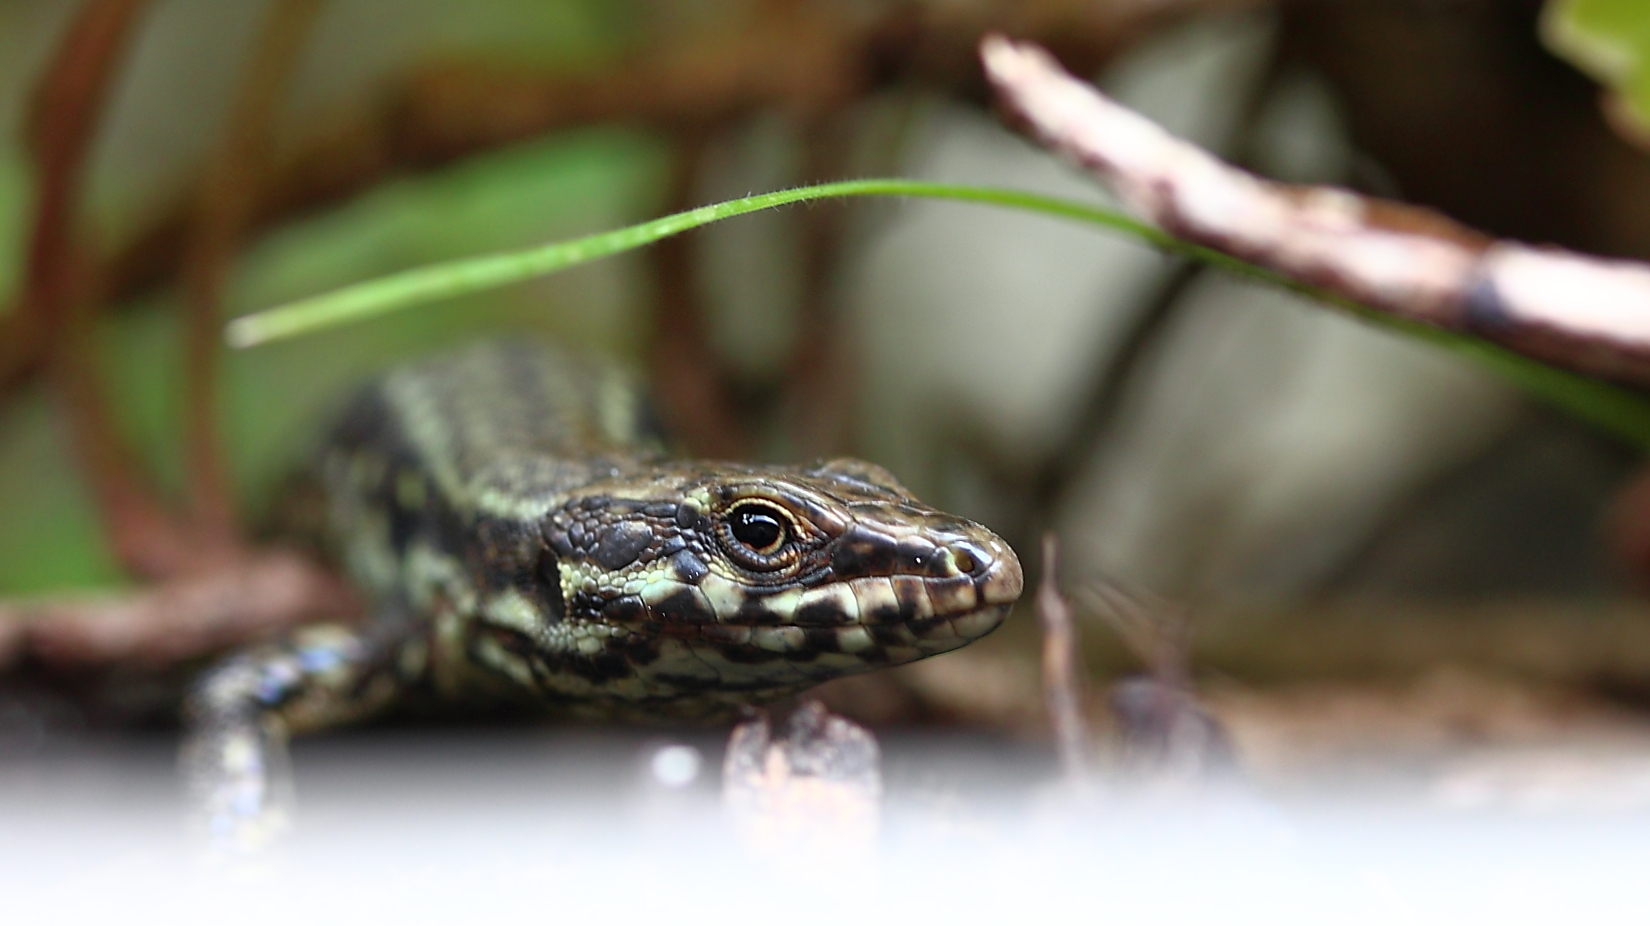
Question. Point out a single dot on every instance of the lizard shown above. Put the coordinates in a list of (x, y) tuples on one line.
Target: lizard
[(510, 513)]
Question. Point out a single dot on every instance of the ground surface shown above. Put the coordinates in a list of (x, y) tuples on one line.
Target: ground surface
[(1481, 819)]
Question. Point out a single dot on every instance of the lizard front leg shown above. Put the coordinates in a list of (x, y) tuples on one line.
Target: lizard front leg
[(241, 713)]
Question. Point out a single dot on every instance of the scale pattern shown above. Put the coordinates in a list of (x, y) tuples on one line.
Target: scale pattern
[(524, 538)]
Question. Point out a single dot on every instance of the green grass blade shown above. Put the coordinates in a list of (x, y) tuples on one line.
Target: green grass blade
[(1614, 408), (475, 274)]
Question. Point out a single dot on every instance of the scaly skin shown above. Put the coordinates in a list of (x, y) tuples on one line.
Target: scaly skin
[(526, 542)]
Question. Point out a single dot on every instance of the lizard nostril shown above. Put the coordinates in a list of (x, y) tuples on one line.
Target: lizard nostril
[(966, 559)]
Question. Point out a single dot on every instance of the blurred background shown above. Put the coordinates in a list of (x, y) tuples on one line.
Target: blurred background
[(1390, 556)]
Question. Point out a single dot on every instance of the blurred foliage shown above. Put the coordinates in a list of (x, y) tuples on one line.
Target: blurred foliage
[(14, 214), (545, 191), (271, 398), (1609, 39)]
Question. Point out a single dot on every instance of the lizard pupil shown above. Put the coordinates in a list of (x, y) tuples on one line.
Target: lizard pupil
[(757, 527)]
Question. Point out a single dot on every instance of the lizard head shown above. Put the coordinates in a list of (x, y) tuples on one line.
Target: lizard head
[(756, 581)]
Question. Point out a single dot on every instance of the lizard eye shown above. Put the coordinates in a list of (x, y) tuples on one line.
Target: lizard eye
[(757, 535), (758, 527)]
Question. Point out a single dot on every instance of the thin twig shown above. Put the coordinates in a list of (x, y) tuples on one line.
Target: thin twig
[(1062, 680), (67, 105)]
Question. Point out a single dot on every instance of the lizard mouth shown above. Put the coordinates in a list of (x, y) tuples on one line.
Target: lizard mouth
[(884, 619)]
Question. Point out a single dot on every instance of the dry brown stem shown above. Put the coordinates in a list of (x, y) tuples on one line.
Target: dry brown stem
[(1580, 312), (1062, 668), (69, 100), (180, 619)]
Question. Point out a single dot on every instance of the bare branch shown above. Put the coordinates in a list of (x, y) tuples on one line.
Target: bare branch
[(1584, 313)]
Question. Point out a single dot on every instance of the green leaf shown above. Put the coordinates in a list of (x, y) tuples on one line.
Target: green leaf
[(1610, 40)]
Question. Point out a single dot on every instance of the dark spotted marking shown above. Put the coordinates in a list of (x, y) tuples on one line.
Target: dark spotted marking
[(624, 609), (863, 552), (600, 668), (608, 666), (508, 555), (369, 427), (684, 607), (926, 625), (821, 614), (585, 605), (746, 655), (546, 586), (916, 552), (890, 635), (720, 633), (638, 651), (689, 518), (822, 640), (754, 612), (873, 656), (689, 568), (622, 543), (909, 594)]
